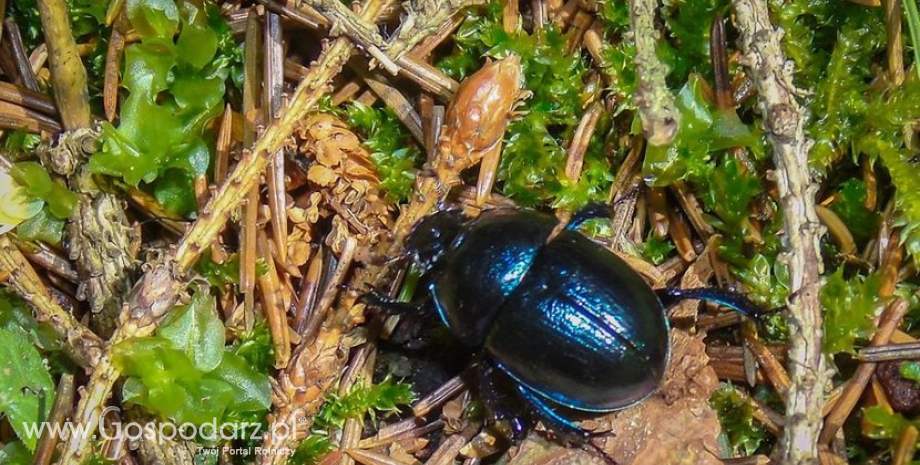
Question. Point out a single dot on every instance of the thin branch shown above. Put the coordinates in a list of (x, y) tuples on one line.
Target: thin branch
[(660, 120), (785, 120), (67, 72), (81, 344)]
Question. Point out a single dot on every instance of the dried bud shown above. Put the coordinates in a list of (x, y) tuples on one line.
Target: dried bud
[(478, 116)]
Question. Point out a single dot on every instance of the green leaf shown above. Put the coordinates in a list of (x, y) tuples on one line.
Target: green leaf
[(849, 308), (251, 389), (37, 184), (850, 207), (197, 330), (197, 43), (884, 423), (175, 90), (33, 178), (913, 25), (744, 435), (655, 249), (703, 131), (910, 370), (153, 18), (15, 453), (176, 192), (16, 315), (256, 347), (24, 380), (42, 227)]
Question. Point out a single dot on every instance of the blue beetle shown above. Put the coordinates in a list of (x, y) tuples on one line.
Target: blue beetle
[(574, 326)]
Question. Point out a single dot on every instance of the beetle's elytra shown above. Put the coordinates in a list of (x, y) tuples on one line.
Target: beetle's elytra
[(567, 320)]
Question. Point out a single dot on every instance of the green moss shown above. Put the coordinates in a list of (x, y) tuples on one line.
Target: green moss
[(743, 435), (533, 160), (393, 152)]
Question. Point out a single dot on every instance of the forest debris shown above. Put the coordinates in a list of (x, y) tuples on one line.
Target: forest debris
[(23, 66), (785, 122), (423, 18), (890, 319), (477, 117), (902, 393), (105, 266), (348, 181), (536, 450), (60, 410), (26, 98)]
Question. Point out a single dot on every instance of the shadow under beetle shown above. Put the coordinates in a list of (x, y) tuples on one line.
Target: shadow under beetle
[(572, 325)]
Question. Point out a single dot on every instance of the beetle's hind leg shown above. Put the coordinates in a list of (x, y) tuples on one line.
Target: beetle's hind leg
[(733, 300), (565, 429), (558, 423), (497, 406)]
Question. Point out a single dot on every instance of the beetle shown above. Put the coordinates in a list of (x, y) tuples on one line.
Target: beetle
[(572, 325)]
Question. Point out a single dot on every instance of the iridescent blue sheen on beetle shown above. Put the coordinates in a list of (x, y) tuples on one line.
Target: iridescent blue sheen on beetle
[(570, 322)]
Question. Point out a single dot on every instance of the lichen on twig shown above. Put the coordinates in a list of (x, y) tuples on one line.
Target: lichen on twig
[(784, 120), (660, 120)]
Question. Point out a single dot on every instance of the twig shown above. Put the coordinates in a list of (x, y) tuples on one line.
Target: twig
[(854, 388), (785, 120), (113, 56), (67, 72), (42, 255), (273, 88), (580, 141), (655, 102), (394, 99), (884, 353), (423, 19), (16, 117), (906, 447), (27, 98), (23, 66), (63, 406), (345, 21), (895, 43), (410, 65), (273, 304), (81, 344), (252, 83)]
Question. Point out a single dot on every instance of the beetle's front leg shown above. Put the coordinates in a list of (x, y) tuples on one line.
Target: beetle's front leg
[(376, 299)]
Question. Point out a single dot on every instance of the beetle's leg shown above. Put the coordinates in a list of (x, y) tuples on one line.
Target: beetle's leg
[(566, 428), (597, 210), (733, 300), (379, 300), (496, 405), (589, 212)]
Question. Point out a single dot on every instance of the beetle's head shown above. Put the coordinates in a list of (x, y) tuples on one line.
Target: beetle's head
[(431, 238)]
